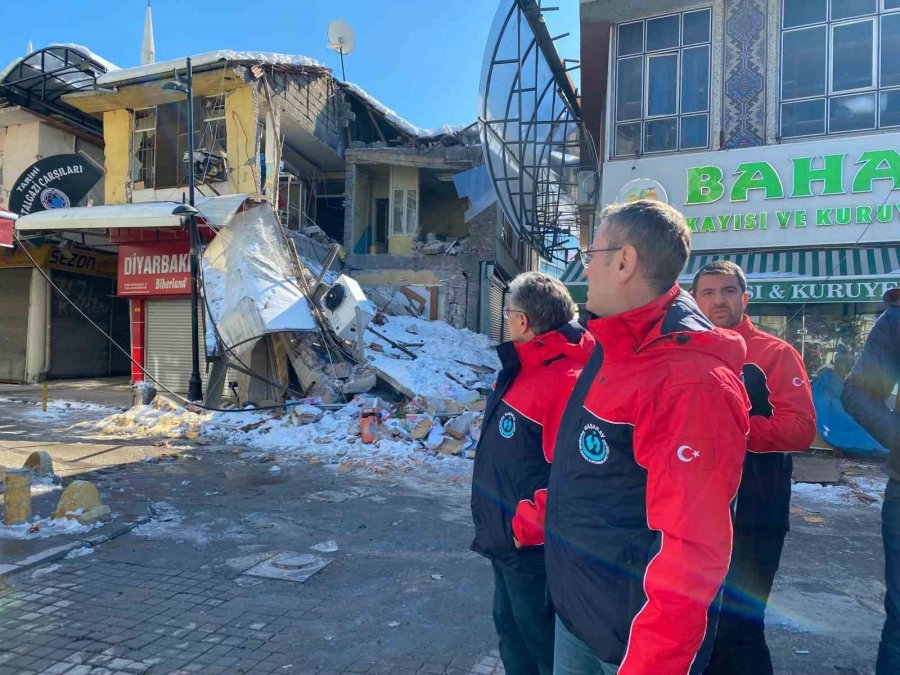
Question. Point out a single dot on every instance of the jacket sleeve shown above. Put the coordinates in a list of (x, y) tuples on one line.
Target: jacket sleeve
[(872, 380), (693, 471), (528, 521), (792, 426)]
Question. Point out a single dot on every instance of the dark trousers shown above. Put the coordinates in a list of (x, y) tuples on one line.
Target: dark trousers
[(889, 651), (740, 647), (524, 619)]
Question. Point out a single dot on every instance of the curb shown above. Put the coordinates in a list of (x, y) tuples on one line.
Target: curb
[(60, 552)]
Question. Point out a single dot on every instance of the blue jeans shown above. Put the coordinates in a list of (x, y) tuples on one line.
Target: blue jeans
[(572, 656), (524, 620), (889, 651)]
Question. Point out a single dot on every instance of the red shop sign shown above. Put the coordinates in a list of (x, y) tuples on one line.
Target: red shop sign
[(159, 269)]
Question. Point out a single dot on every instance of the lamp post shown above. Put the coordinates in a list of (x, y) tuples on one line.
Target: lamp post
[(195, 385)]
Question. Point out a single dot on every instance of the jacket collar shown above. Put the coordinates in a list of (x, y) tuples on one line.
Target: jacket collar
[(745, 328), (569, 340), (673, 312)]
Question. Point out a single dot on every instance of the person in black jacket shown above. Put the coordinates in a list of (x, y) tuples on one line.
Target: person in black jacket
[(540, 365), (866, 390)]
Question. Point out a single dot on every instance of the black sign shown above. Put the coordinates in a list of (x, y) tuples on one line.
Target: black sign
[(56, 182)]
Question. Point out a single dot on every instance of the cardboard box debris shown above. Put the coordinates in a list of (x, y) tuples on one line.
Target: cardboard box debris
[(419, 426), (451, 446), (458, 427)]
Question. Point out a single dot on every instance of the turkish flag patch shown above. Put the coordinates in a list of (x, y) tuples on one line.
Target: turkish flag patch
[(698, 455)]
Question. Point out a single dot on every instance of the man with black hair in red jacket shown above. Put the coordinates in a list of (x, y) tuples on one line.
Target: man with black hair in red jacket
[(647, 461), (782, 421), (540, 364)]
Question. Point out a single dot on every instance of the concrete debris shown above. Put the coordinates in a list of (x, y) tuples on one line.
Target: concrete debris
[(306, 414)]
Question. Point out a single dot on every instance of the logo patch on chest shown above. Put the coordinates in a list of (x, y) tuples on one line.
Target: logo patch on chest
[(593, 445), (508, 425)]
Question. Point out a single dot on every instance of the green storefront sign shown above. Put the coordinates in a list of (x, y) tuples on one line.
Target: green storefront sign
[(797, 291)]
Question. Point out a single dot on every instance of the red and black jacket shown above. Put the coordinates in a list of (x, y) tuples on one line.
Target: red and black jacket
[(647, 463), (782, 420), (512, 462)]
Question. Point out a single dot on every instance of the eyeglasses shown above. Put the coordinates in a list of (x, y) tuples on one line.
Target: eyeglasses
[(507, 310), (587, 254)]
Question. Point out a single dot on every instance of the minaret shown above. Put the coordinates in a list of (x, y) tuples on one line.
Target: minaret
[(148, 51), (30, 48)]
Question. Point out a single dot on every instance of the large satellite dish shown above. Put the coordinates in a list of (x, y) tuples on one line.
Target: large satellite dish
[(532, 131), (341, 40)]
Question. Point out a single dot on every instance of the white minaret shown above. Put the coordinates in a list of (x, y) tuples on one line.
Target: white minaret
[(148, 51), (30, 48)]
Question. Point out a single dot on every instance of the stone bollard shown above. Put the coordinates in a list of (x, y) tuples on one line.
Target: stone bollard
[(81, 497), (17, 486), (40, 463)]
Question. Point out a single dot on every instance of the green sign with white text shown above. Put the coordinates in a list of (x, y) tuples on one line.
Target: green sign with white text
[(834, 192)]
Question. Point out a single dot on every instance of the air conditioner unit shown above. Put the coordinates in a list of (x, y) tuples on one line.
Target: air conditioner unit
[(339, 305)]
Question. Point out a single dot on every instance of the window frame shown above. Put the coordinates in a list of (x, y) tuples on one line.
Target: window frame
[(134, 147), (876, 19), (407, 229), (645, 56)]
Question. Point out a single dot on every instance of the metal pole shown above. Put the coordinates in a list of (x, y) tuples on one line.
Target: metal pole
[(343, 71), (195, 385)]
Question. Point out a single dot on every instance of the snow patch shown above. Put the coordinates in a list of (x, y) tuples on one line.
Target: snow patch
[(46, 527)]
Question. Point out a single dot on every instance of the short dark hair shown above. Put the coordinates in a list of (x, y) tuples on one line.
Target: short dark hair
[(658, 233), (721, 267), (545, 301)]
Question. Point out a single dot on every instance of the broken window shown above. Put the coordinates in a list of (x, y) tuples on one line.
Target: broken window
[(212, 148), (405, 215), (143, 154)]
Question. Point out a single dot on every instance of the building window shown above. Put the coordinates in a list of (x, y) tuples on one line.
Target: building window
[(662, 84), (213, 147), (143, 153), (405, 212), (839, 66)]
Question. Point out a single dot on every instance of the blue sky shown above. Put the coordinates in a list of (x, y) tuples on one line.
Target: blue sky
[(420, 57)]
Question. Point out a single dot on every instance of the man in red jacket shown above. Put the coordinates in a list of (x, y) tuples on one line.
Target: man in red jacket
[(782, 420), (647, 461), (540, 364)]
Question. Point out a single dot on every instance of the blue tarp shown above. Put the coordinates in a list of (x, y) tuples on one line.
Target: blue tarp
[(833, 422)]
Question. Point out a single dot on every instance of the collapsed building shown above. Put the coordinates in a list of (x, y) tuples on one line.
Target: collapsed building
[(411, 210)]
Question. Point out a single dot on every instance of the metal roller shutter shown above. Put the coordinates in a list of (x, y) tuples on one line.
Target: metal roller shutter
[(498, 295), (76, 348), (15, 291), (168, 344)]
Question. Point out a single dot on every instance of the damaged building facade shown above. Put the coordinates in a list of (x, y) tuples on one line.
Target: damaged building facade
[(338, 166)]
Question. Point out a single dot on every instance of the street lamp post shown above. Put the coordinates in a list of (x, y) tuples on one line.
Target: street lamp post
[(195, 385)]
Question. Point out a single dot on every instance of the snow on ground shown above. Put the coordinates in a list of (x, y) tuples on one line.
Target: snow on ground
[(57, 409), (852, 490), (45, 527)]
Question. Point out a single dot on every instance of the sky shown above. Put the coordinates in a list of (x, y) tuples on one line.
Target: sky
[(421, 58)]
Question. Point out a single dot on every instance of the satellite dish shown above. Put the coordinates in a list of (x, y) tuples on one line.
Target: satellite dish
[(341, 40), (340, 37), (532, 130)]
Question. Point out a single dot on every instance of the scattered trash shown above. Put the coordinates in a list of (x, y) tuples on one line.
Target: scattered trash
[(185, 482), (802, 651), (437, 577), (275, 469), (393, 624)]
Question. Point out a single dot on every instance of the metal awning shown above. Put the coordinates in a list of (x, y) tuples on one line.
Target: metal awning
[(871, 265), (215, 211)]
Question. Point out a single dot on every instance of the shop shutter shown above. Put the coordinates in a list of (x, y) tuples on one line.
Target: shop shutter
[(168, 344), (498, 295), (77, 349), (15, 291)]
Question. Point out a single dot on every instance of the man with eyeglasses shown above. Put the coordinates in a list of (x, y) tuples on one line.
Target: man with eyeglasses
[(782, 421), (647, 461), (540, 364)]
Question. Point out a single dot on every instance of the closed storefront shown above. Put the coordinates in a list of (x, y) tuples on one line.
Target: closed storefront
[(168, 344), (42, 336), (14, 301)]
